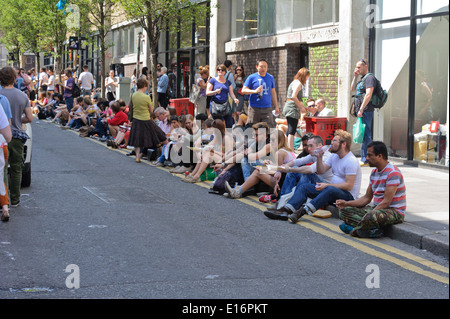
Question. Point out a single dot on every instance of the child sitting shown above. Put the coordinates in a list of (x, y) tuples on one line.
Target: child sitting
[(118, 118)]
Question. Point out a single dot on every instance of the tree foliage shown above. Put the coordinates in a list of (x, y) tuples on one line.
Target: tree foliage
[(156, 16)]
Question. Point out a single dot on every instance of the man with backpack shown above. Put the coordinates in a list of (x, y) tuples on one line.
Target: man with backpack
[(365, 89)]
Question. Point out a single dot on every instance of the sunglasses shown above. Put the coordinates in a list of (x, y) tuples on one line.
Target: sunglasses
[(362, 60), (312, 105), (220, 70), (238, 69)]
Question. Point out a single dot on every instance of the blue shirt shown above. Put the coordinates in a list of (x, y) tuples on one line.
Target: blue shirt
[(163, 83), (4, 102), (19, 83), (268, 83), (223, 96)]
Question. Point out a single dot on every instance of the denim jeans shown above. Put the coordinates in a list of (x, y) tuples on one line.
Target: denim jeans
[(366, 119), (69, 103), (297, 179), (162, 158), (319, 198), (75, 123), (100, 128), (248, 168)]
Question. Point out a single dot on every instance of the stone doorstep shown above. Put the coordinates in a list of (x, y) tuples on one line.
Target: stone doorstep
[(436, 242)]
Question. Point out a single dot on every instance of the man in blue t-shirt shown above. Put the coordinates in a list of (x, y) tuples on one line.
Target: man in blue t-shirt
[(261, 88)]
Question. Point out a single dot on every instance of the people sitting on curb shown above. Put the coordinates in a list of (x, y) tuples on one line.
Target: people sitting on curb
[(345, 183), (386, 189), (281, 154), (301, 171)]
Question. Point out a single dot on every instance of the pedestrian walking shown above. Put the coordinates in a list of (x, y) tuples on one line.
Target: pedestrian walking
[(144, 131), (21, 114)]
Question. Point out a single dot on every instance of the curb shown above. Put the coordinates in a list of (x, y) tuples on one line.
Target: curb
[(436, 242)]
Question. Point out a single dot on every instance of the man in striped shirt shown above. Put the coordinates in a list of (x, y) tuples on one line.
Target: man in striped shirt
[(386, 188)]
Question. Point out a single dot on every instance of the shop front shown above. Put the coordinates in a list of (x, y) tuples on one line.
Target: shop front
[(410, 44), (183, 52)]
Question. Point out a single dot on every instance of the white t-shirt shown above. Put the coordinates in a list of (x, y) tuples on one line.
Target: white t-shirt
[(326, 112), (348, 165), (327, 176), (51, 87), (110, 87), (43, 78), (85, 80)]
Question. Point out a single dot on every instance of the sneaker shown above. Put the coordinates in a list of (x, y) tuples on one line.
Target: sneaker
[(294, 217), (233, 192), (346, 228), (15, 205), (370, 233), (178, 170), (267, 199)]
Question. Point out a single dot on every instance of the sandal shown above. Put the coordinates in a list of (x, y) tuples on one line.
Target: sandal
[(193, 180)]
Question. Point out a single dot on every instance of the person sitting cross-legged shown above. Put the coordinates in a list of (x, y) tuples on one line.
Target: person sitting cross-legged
[(345, 184), (388, 191)]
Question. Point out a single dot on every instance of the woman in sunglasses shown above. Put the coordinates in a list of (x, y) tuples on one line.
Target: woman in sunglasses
[(220, 89)]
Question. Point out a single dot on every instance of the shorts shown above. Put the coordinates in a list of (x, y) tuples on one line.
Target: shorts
[(292, 126)]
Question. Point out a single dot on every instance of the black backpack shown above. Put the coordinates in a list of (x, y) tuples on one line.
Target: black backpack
[(76, 91), (379, 96)]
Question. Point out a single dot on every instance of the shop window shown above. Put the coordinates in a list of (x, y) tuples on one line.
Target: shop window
[(392, 39), (186, 33), (427, 6), (251, 17), (388, 9), (302, 14), (237, 13), (431, 89), (132, 40), (283, 15), (322, 12)]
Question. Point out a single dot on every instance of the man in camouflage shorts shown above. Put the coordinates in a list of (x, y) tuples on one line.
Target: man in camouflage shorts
[(386, 188)]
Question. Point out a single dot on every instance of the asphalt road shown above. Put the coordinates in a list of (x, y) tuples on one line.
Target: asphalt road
[(125, 230)]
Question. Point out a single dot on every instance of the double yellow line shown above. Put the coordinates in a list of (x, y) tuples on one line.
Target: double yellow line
[(332, 231), (368, 246)]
